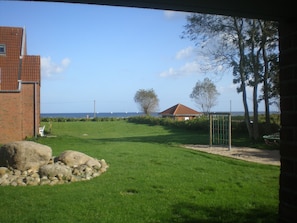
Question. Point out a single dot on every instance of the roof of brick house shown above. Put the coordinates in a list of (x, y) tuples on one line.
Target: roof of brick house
[(180, 110), (15, 64)]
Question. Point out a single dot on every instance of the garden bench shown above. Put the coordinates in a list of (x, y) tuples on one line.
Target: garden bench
[(272, 139), (41, 130)]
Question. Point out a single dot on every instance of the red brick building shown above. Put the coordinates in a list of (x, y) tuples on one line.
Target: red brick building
[(19, 87), (180, 112)]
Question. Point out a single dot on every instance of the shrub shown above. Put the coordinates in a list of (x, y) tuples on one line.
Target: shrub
[(201, 123)]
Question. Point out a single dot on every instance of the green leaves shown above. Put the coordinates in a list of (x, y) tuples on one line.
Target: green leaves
[(205, 94), (147, 100)]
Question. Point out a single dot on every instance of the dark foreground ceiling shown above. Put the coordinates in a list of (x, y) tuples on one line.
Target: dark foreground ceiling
[(264, 9)]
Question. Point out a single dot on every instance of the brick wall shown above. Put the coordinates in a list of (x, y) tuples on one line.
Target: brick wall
[(18, 118), (30, 121), (288, 147), (10, 119)]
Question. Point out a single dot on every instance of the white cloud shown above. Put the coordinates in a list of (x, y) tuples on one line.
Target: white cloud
[(189, 68), (227, 89), (199, 64), (169, 73), (184, 53), (49, 68), (65, 62), (173, 14)]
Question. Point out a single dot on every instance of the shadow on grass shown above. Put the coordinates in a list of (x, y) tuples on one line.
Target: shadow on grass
[(173, 138), (183, 136), (192, 213)]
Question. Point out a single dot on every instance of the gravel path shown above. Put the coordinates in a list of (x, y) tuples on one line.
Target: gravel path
[(270, 157)]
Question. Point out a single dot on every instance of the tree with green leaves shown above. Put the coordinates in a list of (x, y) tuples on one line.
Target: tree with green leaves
[(205, 95), (248, 47), (147, 100)]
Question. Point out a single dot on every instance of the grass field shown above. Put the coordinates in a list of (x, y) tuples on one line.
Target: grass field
[(150, 179)]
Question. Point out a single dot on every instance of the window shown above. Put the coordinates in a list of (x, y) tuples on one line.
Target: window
[(2, 49)]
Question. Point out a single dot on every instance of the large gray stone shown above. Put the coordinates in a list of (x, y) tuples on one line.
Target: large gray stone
[(3, 170), (24, 155), (74, 158), (56, 170)]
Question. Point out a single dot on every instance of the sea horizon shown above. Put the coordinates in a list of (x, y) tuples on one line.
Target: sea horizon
[(118, 114), (92, 114)]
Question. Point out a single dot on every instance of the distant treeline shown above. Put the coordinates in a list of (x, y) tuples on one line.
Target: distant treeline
[(197, 124), (85, 119), (202, 123)]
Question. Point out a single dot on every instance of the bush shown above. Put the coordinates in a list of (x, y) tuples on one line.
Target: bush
[(200, 123)]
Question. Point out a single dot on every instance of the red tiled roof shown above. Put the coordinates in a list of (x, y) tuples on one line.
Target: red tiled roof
[(9, 63), (31, 68), (179, 110), (12, 67)]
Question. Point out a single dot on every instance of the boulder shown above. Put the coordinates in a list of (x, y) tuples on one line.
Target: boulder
[(24, 155), (3, 170), (56, 170), (74, 158)]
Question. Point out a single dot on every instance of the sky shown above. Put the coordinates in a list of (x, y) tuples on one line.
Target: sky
[(95, 58)]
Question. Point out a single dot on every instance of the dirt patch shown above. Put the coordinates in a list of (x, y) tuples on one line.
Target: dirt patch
[(270, 157)]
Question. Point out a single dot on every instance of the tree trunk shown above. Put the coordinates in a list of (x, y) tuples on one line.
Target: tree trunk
[(256, 113), (265, 86), (243, 78), (255, 59), (246, 112), (266, 74)]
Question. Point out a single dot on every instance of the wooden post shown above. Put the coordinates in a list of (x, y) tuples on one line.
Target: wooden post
[(230, 130), (210, 130)]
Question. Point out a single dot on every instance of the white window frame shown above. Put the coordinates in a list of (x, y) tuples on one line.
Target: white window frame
[(2, 49)]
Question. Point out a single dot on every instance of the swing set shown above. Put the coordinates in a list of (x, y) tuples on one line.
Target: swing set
[(220, 129)]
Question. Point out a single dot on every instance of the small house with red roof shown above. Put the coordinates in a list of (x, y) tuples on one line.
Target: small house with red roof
[(180, 112), (19, 87)]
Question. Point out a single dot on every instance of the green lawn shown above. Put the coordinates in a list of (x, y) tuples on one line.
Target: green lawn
[(150, 179)]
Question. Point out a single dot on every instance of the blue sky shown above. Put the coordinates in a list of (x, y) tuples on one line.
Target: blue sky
[(105, 54)]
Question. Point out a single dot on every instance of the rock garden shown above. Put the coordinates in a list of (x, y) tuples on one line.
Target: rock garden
[(25, 163)]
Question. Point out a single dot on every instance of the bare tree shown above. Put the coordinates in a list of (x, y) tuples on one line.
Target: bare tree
[(205, 95), (147, 100), (248, 46)]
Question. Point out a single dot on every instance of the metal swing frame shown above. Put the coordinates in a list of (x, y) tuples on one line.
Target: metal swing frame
[(220, 129)]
